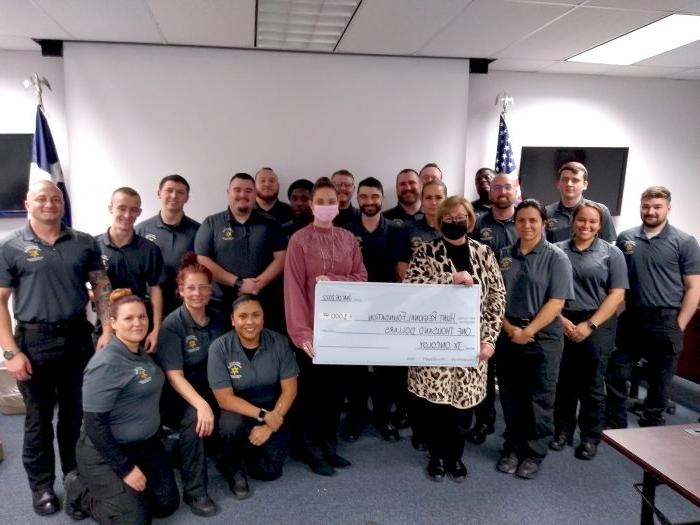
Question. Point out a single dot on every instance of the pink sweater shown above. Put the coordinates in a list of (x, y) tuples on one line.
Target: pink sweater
[(311, 252)]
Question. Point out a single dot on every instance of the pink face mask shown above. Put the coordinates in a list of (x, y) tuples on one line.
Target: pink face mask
[(325, 214)]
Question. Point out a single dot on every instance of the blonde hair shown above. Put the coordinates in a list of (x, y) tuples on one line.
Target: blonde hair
[(452, 202)]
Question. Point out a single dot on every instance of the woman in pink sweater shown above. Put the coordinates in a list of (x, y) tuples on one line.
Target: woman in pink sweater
[(318, 252)]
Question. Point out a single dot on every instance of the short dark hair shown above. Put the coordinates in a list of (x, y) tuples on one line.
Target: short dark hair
[(174, 178), (243, 176), (531, 203), (343, 172), (323, 182), (126, 190), (575, 167), (371, 182), (657, 192), (244, 298), (406, 170), (300, 184), (491, 172), (589, 204)]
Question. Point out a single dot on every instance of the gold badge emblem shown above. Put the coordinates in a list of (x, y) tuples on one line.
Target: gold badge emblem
[(142, 374), (33, 253), (234, 370), (505, 263), (551, 223), (486, 234), (191, 343), (227, 233), (628, 246)]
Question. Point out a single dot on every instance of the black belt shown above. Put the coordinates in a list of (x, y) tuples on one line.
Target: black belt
[(520, 322), (651, 310), (47, 327)]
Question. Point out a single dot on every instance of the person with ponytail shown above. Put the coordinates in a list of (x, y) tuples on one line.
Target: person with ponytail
[(123, 474), (318, 252), (183, 351)]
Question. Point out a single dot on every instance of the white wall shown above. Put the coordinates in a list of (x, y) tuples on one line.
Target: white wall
[(136, 113), (658, 119), (18, 105)]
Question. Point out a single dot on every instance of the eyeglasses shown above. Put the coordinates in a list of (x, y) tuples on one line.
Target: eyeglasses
[(501, 187), (192, 288), (459, 218)]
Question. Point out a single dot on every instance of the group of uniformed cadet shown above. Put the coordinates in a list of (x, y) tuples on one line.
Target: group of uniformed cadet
[(181, 286)]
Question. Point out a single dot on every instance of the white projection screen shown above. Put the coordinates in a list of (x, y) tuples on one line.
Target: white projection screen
[(136, 113)]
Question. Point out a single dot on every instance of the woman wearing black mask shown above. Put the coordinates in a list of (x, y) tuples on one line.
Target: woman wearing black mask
[(446, 395)]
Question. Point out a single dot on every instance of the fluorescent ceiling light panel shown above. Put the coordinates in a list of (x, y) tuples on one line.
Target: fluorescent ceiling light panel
[(314, 25), (648, 41)]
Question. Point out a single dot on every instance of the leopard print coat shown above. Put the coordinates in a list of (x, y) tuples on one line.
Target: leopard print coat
[(456, 386)]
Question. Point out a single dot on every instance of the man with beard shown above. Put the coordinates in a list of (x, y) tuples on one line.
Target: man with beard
[(430, 171), (408, 194), (495, 229), (482, 181), (243, 248), (572, 181), (267, 189), (299, 195), (663, 264), (172, 231), (378, 239), (344, 183)]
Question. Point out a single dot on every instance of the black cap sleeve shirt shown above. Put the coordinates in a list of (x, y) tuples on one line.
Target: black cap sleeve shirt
[(244, 249), (136, 265), (494, 233), (414, 233), (559, 218), (48, 282), (128, 386), (184, 345), (596, 270), (380, 248), (257, 380), (656, 266), (533, 279)]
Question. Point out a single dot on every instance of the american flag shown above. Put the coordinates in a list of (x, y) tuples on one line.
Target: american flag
[(505, 159)]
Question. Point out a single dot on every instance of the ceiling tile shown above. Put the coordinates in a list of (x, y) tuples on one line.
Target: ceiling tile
[(688, 74), (578, 68), (644, 71), (641, 5), (22, 18), (578, 31), (692, 8), (104, 20), (519, 64), (397, 26), (487, 26), (18, 43), (206, 22), (684, 56)]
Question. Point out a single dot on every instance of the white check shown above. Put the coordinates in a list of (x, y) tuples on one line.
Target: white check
[(396, 324)]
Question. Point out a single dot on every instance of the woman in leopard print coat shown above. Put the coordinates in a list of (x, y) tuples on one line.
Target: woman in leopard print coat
[(445, 395)]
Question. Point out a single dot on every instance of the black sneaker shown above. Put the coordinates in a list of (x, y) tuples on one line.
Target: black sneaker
[(508, 463), (239, 485), (202, 505), (74, 489), (561, 439), (45, 502), (528, 469), (586, 450)]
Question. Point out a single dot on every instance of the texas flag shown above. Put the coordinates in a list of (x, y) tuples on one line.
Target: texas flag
[(45, 164)]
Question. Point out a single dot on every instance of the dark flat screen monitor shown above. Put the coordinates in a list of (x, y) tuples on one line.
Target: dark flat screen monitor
[(606, 173), (15, 157)]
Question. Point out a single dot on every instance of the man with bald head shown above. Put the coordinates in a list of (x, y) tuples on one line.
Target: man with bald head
[(267, 190), (44, 267)]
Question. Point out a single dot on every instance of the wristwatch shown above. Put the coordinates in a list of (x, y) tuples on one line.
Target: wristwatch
[(261, 415), (9, 354), (591, 325)]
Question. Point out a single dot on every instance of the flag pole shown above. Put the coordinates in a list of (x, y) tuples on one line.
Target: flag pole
[(37, 82)]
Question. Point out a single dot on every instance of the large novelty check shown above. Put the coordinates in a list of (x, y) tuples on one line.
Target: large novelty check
[(396, 324)]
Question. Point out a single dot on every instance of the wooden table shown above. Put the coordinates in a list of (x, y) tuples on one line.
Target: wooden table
[(668, 455)]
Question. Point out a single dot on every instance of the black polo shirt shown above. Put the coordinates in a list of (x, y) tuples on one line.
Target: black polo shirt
[(398, 214), (380, 248), (412, 234), (345, 215), (656, 266), (48, 282), (291, 227), (533, 279), (184, 345), (136, 265), (494, 233), (280, 211), (257, 380), (128, 386), (481, 206), (559, 219), (244, 249), (596, 270)]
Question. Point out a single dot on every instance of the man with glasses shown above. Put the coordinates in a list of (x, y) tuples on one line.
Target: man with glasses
[(344, 183)]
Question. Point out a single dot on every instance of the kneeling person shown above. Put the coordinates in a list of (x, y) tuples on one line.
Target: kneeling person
[(253, 374)]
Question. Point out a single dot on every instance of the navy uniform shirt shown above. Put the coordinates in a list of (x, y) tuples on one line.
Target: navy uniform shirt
[(174, 241), (559, 220), (398, 214), (280, 211), (48, 282), (379, 248), (257, 380), (533, 279), (596, 270), (244, 249), (656, 266), (413, 233), (345, 215), (128, 386), (481, 206), (184, 345), (291, 227), (494, 233)]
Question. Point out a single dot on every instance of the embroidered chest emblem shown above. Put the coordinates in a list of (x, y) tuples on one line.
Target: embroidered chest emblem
[(143, 375), (191, 344), (105, 261), (486, 234), (234, 370), (227, 233), (151, 237), (33, 253), (505, 263), (628, 246), (551, 223)]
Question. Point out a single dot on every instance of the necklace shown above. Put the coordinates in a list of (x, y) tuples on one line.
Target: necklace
[(327, 252)]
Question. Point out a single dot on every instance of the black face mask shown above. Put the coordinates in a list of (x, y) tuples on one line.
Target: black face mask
[(454, 230)]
